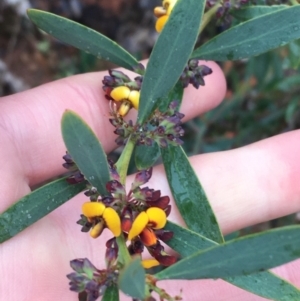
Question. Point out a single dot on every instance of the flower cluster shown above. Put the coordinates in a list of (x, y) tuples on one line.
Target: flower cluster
[(140, 215), (88, 280), (193, 74), (162, 13), (225, 7), (119, 88), (162, 128), (75, 175)]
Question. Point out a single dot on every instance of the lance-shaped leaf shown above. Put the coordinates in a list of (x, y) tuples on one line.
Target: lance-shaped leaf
[(189, 195), (132, 279), (241, 256), (83, 38), (250, 12), (145, 156), (253, 37), (86, 150), (36, 205), (170, 54), (264, 284), (111, 294)]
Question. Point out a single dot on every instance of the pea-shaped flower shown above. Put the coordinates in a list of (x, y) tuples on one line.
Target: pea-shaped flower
[(128, 98), (102, 217), (145, 223)]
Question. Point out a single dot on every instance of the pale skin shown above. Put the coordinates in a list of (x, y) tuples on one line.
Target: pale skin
[(245, 186)]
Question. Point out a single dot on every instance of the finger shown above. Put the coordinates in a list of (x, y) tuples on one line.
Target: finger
[(32, 119), (249, 185)]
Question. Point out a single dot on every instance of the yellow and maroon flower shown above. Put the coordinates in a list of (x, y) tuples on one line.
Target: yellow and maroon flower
[(146, 230), (101, 217)]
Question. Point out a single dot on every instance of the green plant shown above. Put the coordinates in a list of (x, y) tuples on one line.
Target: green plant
[(138, 218)]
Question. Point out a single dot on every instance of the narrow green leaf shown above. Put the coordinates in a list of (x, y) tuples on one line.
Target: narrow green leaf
[(132, 279), (145, 156), (253, 37), (83, 38), (86, 150), (241, 256), (189, 195), (170, 54), (250, 12), (111, 294), (36, 205), (175, 94), (264, 284)]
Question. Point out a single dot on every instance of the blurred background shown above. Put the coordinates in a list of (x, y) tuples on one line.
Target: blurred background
[(263, 92)]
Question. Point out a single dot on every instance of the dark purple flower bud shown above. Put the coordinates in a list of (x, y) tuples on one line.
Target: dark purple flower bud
[(108, 81), (119, 75), (111, 256), (120, 141), (139, 68), (163, 142), (120, 132), (204, 70), (161, 130), (77, 265), (88, 268), (193, 63), (173, 105), (179, 115), (115, 187), (142, 177), (148, 141)]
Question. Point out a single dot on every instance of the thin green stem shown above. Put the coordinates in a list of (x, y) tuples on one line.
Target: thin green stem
[(123, 254), (209, 15), (123, 162)]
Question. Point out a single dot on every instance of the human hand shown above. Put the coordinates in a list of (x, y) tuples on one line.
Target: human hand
[(245, 186)]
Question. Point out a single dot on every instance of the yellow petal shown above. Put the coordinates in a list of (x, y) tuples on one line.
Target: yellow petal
[(112, 220), (160, 23), (120, 93), (157, 217), (149, 263), (138, 225), (159, 11), (124, 108), (134, 98), (93, 209), (97, 229)]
